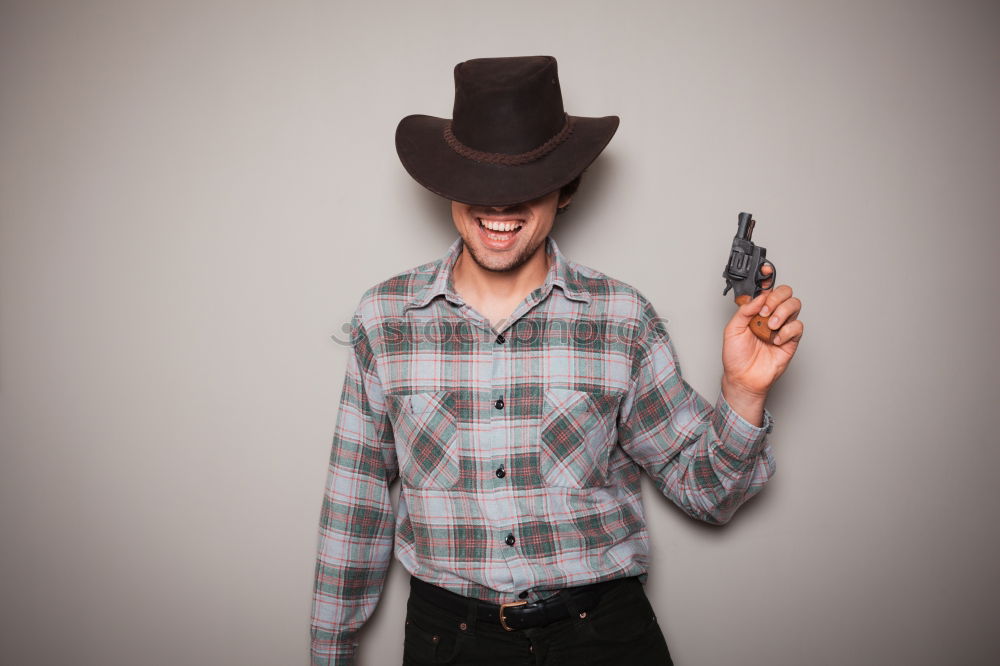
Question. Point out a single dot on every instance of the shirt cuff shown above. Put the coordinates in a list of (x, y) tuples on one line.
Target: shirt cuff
[(741, 437), (334, 654)]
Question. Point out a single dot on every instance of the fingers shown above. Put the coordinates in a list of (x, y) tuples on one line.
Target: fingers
[(780, 304), (790, 332), (766, 270), (785, 313), (783, 309)]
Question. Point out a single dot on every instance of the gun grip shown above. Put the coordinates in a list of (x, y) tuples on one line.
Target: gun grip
[(758, 325)]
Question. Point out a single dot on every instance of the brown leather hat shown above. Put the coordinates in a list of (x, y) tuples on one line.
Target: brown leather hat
[(510, 139)]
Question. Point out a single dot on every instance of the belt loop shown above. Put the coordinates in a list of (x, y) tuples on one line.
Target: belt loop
[(574, 612)]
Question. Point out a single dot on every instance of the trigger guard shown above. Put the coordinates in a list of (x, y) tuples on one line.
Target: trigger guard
[(761, 278)]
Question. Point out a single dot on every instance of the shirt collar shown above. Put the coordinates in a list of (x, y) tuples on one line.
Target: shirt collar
[(561, 273)]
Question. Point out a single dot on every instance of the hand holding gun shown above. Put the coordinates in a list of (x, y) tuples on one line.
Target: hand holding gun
[(752, 363)]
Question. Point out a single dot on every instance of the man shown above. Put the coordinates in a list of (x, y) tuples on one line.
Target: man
[(518, 396)]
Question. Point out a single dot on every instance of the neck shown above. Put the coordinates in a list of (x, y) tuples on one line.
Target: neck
[(473, 282)]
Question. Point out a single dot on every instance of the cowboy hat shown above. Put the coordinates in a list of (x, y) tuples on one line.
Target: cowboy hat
[(510, 140)]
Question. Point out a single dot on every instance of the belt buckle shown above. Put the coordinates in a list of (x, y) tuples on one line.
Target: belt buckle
[(503, 607)]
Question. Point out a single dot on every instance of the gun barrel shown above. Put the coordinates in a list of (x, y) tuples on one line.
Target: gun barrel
[(745, 229)]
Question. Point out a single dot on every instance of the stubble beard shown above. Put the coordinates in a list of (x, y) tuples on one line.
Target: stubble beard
[(504, 266)]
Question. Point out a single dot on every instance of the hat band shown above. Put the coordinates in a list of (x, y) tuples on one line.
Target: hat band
[(507, 159)]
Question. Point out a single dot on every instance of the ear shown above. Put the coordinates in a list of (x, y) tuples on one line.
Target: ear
[(564, 201)]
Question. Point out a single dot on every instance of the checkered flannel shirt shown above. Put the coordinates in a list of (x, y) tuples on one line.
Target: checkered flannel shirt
[(519, 448)]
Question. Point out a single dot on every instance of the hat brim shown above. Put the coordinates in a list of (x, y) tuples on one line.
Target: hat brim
[(424, 153)]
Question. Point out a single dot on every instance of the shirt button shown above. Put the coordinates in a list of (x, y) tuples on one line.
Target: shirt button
[(501, 339), (509, 540), (501, 472), (499, 403)]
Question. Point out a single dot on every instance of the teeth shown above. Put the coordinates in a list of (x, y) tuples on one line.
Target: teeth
[(493, 225)]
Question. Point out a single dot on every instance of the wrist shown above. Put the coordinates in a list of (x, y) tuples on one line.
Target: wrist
[(747, 403)]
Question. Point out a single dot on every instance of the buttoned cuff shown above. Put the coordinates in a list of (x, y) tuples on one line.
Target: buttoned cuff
[(738, 435)]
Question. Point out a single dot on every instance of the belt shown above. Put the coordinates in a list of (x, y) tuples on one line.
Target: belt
[(519, 614)]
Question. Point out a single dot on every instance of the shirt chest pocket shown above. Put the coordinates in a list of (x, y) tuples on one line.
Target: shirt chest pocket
[(576, 432), (427, 441)]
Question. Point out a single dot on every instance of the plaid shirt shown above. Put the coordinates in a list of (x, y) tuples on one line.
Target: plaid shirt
[(519, 450)]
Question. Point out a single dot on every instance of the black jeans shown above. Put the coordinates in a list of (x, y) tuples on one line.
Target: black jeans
[(621, 630)]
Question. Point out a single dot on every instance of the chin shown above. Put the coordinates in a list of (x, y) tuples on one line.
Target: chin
[(497, 261)]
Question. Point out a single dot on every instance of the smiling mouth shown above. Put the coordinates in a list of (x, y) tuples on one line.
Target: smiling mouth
[(500, 230)]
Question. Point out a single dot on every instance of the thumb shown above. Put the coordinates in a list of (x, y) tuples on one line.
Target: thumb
[(748, 309)]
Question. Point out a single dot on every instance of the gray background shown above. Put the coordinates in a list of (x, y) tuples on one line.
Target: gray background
[(194, 195)]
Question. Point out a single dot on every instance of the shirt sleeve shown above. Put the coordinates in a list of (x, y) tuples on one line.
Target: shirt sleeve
[(707, 459), (356, 523)]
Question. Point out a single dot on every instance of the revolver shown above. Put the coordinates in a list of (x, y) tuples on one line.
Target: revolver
[(743, 273)]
